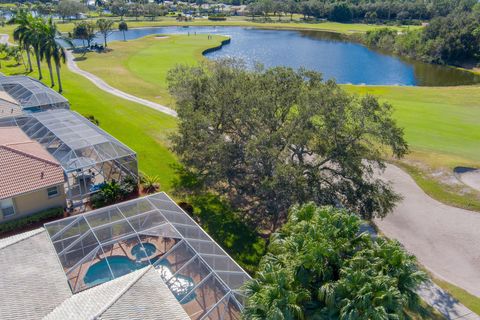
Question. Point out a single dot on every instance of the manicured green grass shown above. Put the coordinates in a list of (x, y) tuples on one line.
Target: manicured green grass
[(141, 128), (439, 120), (140, 66)]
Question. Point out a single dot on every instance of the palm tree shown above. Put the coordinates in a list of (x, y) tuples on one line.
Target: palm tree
[(59, 57), (33, 36), (23, 32), (46, 51), (51, 49)]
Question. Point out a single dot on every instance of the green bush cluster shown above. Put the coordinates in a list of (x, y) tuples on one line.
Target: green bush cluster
[(454, 39), (217, 18), (320, 265), (113, 192), (30, 220)]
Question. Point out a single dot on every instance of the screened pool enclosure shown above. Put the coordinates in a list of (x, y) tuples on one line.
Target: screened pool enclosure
[(107, 243), (22, 94), (88, 155)]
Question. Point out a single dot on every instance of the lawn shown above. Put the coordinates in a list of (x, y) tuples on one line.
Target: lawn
[(437, 120), (140, 66)]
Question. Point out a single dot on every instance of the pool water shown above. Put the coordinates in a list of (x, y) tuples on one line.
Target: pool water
[(100, 273), (143, 250)]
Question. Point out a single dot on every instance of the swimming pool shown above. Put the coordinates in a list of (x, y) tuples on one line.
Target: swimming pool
[(120, 265), (180, 285), (98, 273), (143, 250)]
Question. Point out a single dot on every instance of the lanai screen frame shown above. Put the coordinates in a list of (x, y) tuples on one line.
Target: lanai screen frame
[(32, 95), (215, 270), (85, 151)]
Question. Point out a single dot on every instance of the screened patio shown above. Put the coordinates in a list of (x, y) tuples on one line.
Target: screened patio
[(107, 243), (89, 156), (22, 94)]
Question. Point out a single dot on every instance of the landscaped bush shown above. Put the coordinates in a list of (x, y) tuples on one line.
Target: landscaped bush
[(217, 18), (113, 192), (150, 184), (30, 220)]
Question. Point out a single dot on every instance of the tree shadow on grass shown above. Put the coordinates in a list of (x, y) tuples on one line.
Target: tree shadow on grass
[(227, 229)]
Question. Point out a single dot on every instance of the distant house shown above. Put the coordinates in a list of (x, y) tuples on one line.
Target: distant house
[(141, 259), (88, 155), (21, 94), (31, 180)]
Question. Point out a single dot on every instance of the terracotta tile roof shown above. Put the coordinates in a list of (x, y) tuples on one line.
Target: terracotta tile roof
[(24, 165)]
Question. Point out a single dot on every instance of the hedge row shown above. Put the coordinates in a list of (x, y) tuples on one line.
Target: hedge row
[(29, 220), (217, 18)]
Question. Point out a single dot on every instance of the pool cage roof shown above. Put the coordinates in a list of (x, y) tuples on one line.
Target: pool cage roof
[(215, 278), (31, 93), (73, 140)]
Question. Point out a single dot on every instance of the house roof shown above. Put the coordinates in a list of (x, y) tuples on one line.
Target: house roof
[(25, 165), (200, 274), (28, 92), (34, 287), (200, 282), (72, 139)]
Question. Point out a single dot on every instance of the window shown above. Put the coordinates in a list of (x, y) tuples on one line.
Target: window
[(52, 192), (7, 207)]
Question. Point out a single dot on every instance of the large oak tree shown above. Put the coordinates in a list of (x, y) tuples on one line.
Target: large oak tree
[(269, 138)]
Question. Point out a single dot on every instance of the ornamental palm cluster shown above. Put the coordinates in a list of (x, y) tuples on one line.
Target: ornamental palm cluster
[(320, 266), (36, 35)]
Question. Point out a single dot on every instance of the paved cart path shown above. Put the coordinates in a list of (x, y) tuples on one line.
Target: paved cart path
[(72, 65), (445, 239), (440, 243)]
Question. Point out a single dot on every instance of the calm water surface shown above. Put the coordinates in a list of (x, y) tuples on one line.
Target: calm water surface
[(346, 62)]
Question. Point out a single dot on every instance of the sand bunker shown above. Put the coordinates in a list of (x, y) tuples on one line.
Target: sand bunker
[(469, 176)]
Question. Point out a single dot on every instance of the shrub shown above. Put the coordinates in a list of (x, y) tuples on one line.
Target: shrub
[(129, 185), (150, 184), (30, 220), (217, 18), (113, 192), (92, 119)]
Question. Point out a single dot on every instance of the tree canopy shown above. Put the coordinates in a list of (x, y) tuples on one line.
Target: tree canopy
[(320, 266), (454, 39), (268, 138)]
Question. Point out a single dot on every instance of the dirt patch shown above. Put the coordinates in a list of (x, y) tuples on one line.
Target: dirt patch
[(469, 176), (161, 37)]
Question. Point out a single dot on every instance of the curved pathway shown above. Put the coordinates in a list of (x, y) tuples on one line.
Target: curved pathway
[(72, 65), (444, 239)]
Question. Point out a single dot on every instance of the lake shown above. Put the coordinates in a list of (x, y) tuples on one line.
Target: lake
[(346, 62)]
